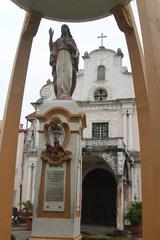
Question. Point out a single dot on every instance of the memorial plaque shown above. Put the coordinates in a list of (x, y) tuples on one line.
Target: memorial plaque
[(54, 194)]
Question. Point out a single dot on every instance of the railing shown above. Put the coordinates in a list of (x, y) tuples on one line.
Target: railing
[(108, 142)]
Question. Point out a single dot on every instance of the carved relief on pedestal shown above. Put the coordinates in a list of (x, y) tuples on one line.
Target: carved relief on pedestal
[(57, 135)]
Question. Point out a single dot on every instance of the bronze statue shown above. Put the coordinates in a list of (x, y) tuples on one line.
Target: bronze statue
[(64, 58)]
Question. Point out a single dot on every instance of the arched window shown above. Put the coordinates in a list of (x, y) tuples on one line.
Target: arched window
[(100, 95), (101, 73)]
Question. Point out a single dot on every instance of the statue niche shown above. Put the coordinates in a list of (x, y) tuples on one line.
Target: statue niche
[(54, 153)]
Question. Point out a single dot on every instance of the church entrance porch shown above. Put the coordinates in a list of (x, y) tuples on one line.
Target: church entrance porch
[(99, 199), (106, 184)]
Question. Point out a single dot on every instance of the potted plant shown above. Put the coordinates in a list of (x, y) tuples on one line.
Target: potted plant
[(13, 237), (26, 213), (134, 215)]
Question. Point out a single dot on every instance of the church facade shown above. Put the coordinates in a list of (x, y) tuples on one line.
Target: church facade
[(111, 175)]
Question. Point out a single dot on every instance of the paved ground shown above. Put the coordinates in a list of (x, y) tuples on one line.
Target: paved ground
[(99, 231), (21, 233)]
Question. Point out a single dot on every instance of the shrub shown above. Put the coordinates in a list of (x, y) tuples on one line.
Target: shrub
[(27, 207), (134, 214)]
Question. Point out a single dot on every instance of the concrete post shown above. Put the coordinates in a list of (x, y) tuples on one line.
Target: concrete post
[(9, 133), (125, 21), (149, 13)]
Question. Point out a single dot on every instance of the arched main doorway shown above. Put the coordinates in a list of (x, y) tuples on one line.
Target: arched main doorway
[(99, 198)]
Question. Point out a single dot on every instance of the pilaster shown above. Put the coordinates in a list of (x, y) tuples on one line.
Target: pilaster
[(124, 112), (120, 204), (130, 129)]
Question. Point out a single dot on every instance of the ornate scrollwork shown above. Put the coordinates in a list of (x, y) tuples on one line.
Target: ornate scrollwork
[(110, 159), (57, 135), (55, 155)]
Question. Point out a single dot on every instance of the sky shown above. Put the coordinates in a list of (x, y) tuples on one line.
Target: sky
[(39, 71)]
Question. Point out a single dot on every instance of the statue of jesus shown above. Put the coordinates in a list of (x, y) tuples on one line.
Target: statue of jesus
[(64, 59)]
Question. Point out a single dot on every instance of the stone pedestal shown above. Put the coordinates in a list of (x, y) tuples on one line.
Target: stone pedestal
[(58, 177)]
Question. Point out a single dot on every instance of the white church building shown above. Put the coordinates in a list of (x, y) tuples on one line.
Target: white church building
[(111, 175)]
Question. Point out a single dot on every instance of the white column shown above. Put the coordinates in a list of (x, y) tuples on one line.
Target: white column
[(130, 128), (124, 127), (33, 186), (28, 182), (130, 186), (133, 183), (37, 133), (120, 205), (32, 182)]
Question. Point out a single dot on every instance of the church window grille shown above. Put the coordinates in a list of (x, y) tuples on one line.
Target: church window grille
[(100, 130), (100, 95), (101, 73)]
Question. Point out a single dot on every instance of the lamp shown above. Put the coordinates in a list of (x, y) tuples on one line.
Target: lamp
[(71, 10)]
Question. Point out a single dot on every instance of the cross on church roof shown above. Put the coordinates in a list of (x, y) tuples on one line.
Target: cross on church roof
[(102, 36)]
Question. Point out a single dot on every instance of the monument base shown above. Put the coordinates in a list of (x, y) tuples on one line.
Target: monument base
[(58, 178)]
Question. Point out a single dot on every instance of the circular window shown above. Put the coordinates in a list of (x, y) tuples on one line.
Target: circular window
[(100, 95)]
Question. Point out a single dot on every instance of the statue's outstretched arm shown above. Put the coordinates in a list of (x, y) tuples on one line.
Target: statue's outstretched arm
[(51, 32)]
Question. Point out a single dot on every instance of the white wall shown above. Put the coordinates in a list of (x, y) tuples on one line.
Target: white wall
[(118, 83), (19, 167)]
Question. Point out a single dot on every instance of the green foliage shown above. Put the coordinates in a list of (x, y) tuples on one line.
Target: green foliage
[(134, 214), (27, 207), (13, 237)]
